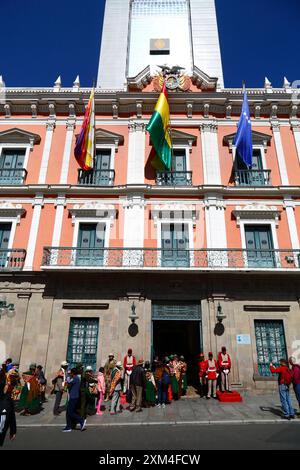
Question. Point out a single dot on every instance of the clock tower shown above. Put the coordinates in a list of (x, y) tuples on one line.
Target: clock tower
[(138, 33)]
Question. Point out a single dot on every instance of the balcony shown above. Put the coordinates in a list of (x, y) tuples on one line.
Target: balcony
[(12, 260), (66, 258), (252, 177), (96, 177), (174, 178), (12, 176)]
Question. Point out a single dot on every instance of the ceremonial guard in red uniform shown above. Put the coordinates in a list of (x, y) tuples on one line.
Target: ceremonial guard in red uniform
[(224, 363), (202, 375), (211, 367)]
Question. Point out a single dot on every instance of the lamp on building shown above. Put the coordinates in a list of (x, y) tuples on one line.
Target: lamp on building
[(133, 317), (220, 314), (6, 309)]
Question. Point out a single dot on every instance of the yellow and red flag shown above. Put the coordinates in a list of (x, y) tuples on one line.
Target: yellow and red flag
[(85, 141)]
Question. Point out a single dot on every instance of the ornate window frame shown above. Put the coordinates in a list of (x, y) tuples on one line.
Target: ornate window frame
[(19, 139), (257, 214)]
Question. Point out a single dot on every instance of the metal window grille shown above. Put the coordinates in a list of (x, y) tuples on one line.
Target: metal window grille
[(83, 342), (270, 344)]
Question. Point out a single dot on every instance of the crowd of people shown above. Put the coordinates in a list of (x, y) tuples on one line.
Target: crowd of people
[(130, 384)]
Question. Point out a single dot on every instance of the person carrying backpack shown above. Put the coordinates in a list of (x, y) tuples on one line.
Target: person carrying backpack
[(285, 378)]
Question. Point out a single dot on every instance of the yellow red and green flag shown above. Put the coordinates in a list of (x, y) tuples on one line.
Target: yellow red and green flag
[(159, 130)]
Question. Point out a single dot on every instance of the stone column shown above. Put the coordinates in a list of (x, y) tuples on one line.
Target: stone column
[(289, 206), (280, 153), (67, 151), (50, 126), (60, 205), (136, 153), (37, 209), (134, 220), (210, 153), (296, 131)]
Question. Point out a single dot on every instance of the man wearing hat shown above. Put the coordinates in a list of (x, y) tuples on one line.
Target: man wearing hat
[(285, 378), (202, 375), (60, 383), (138, 384), (116, 388), (108, 368)]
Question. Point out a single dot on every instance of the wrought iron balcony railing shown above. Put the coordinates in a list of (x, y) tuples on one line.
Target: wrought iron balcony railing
[(96, 177), (12, 260), (12, 176), (252, 177), (174, 178), (210, 259)]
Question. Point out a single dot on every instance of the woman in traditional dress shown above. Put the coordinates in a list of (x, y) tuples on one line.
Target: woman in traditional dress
[(150, 396), (13, 383), (30, 400), (101, 389)]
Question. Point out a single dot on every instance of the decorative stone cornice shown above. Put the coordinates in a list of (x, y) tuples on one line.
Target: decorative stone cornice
[(174, 211), (134, 200), (7, 110), (33, 108), (60, 200), (258, 138), (189, 109), (275, 126), (141, 80), (7, 209), (94, 210), (115, 109), (214, 201), (71, 124), (202, 80), (136, 126), (50, 125), (139, 109), (19, 136), (52, 113), (209, 125), (256, 211), (38, 200)]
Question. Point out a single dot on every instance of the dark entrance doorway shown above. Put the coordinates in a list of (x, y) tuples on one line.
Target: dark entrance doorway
[(176, 329), (181, 338)]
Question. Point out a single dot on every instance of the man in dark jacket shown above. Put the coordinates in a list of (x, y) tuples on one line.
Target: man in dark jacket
[(7, 416), (137, 385)]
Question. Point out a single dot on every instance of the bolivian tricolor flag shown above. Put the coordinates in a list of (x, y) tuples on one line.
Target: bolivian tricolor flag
[(159, 131), (84, 148)]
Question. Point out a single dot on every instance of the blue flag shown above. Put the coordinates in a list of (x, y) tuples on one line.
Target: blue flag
[(243, 138)]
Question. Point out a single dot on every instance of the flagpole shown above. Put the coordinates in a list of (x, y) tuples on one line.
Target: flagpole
[(170, 135)]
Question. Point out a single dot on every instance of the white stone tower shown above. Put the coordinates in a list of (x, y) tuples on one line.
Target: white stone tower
[(138, 33)]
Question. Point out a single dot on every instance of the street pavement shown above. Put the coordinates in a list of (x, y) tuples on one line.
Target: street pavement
[(285, 436), (254, 409)]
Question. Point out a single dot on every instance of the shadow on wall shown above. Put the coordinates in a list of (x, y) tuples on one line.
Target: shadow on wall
[(150, 173)]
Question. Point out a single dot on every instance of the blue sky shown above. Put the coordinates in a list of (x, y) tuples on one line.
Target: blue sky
[(40, 40)]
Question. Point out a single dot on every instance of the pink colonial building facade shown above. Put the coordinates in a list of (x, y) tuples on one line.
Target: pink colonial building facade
[(170, 262)]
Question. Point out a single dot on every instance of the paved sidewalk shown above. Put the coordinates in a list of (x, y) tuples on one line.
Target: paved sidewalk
[(253, 409)]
